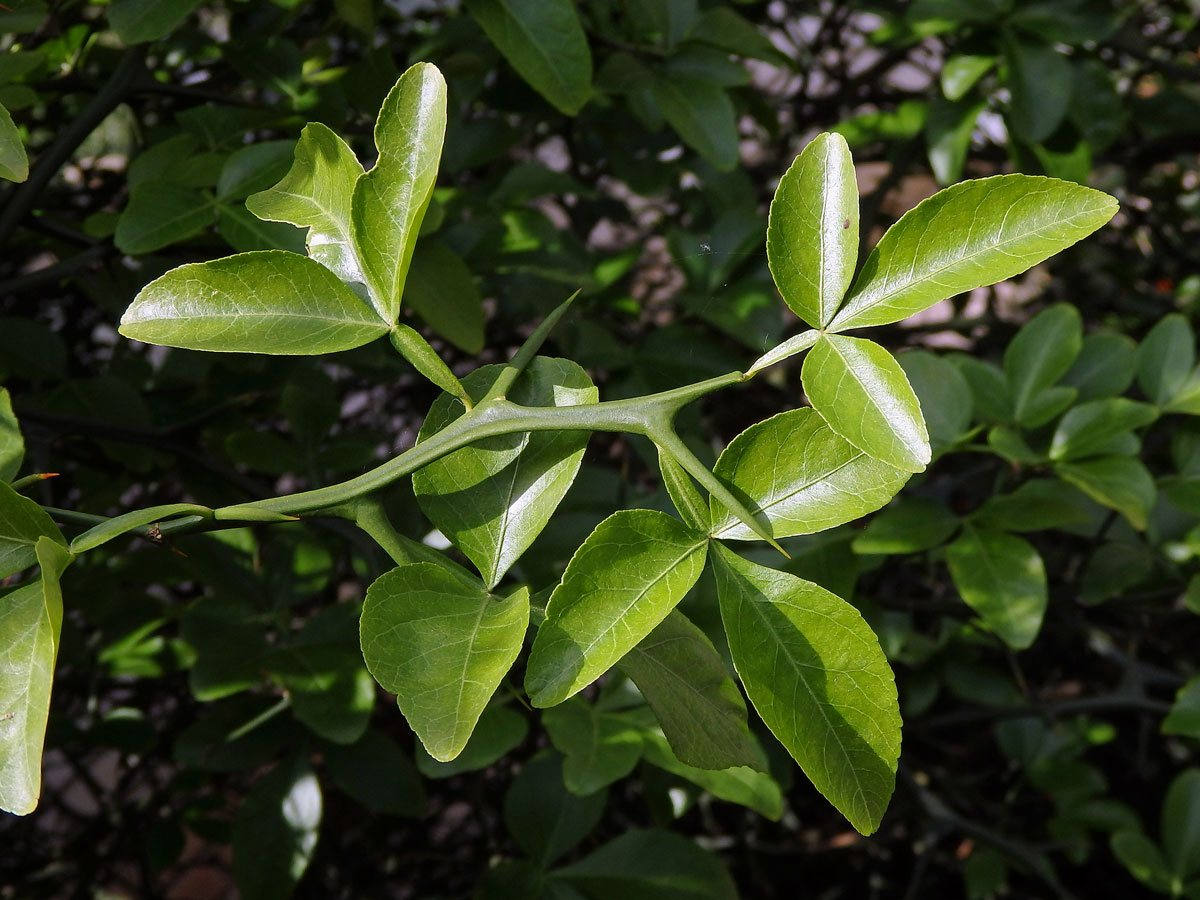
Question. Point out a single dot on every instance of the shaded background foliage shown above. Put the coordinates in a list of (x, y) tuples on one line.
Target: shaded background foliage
[(648, 192)]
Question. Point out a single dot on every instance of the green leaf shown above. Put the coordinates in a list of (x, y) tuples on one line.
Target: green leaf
[(909, 525), (413, 347), (389, 201), (1117, 482), (332, 693), (123, 524), (812, 233), (275, 832), (755, 790), (22, 523), (30, 622), (961, 72), (1002, 578), (137, 21), (253, 168), (442, 291), (702, 114), (1181, 825), (686, 684), (1105, 366), (797, 343), (989, 388), (682, 490), (316, 194), (14, 162), (620, 584), (1041, 89), (861, 391), (245, 233), (599, 747), (545, 42), (723, 28), (944, 395), (972, 234), (1037, 505), (816, 674), (1165, 358), (378, 774), (12, 444), (1088, 428), (498, 732), (794, 471), (1038, 355), (543, 817), (161, 213), (270, 302), (1184, 717), (948, 130), (441, 648), (648, 864), (493, 498), (1142, 858)]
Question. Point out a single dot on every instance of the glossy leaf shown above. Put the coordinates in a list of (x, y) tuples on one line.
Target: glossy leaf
[(702, 114), (413, 347), (699, 707), (545, 42), (909, 525), (12, 444), (161, 213), (275, 832), (755, 790), (1105, 366), (800, 476), (1117, 482), (1042, 352), (966, 236), (961, 72), (332, 693), (1037, 505), (498, 732), (1041, 89), (816, 674), (1002, 578), (1181, 825), (861, 391), (797, 343), (1088, 428), (543, 817), (266, 302), (389, 201), (1165, 358), (22, 523), (1184, 717), (598, 747), (442, 291), (948, 130), (689, 502), (252, 168), (649, 863), (30, 623), (14, 162), (316, 194), (944, 395), (494, 497), (441, 648), (812, 235), (620, 584)]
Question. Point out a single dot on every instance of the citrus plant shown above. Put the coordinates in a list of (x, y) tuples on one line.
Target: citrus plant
[(502, 445)]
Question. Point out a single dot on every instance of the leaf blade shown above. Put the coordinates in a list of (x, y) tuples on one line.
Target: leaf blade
[(300, 308), (1028, 219)]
